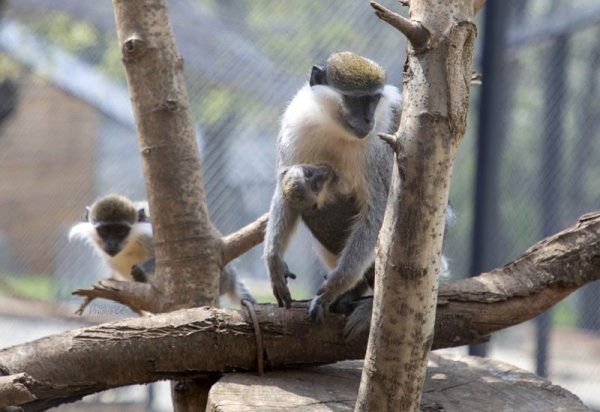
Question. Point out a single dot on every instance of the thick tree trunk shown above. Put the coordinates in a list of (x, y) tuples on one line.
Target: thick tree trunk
[(187, 247), (186, 244), (435, 105), (193, 342)]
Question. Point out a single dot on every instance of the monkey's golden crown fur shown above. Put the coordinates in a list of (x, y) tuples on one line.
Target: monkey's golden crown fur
[(113, 208), (349, 71)]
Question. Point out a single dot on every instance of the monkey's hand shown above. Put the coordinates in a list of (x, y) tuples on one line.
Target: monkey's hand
[(142, 271), (279, 274)]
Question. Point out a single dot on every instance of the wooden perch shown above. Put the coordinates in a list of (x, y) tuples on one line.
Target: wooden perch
[(195, 341)]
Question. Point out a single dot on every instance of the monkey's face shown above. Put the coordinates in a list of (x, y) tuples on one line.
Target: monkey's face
[(305, 186), (360, 83), (358, 113), (113, 237)]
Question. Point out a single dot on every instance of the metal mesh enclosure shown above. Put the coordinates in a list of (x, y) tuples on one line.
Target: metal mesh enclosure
[(67, 136)]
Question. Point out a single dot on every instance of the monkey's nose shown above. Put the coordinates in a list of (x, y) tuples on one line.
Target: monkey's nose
[(112, 251)]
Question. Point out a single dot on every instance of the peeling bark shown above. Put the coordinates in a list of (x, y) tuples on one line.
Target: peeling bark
[(195, 342)]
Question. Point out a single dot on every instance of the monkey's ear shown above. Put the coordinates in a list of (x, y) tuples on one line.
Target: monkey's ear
[(141, 215), (86, 216), (283, 171), (317, 76)]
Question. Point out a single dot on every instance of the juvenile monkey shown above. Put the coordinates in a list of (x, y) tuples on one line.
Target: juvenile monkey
[(334, 120), (120, 231)]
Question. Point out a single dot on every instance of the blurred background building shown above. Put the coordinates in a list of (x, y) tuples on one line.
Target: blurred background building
[(67, 135)]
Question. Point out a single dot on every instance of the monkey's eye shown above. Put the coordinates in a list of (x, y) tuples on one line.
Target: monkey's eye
[(119, 231), (308, 173)]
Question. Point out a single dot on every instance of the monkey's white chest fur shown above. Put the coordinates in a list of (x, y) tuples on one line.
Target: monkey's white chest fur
[(134, 253), (312, 133), (138, 247)]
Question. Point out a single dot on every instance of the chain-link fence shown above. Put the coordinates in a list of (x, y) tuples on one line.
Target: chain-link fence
[(67, 135)]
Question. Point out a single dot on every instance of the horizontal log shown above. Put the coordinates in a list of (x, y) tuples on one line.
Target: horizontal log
[(193, 342)]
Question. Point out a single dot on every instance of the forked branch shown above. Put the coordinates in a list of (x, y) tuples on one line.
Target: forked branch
[(138, 296)]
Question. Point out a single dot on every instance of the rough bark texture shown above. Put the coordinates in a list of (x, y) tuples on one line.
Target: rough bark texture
[(186, 245), (198, 341), (454, 384), (435, 104)]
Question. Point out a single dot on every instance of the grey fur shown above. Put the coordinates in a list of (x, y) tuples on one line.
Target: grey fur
[(363, 165)]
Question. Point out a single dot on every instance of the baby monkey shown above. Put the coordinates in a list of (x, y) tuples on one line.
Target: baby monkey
[(305, 188), (120, 231)]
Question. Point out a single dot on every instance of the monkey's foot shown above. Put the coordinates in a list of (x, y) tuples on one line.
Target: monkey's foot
[(318, 309), (359, 321)]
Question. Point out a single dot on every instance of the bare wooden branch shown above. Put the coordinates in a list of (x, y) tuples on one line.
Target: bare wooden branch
[(136, 295), (186, 244), (546, 273), (238, 243), (413, 30), (391, 140), (434, 112), (196, 341)]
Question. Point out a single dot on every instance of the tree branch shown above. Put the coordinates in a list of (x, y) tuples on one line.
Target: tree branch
[(435, 106), (413, 30), (136, 295), (196, 341), (186, 244), (542, 276), (238, 243)]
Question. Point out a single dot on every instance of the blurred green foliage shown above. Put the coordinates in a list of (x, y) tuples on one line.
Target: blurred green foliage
[(27, 286), (74, 35)]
